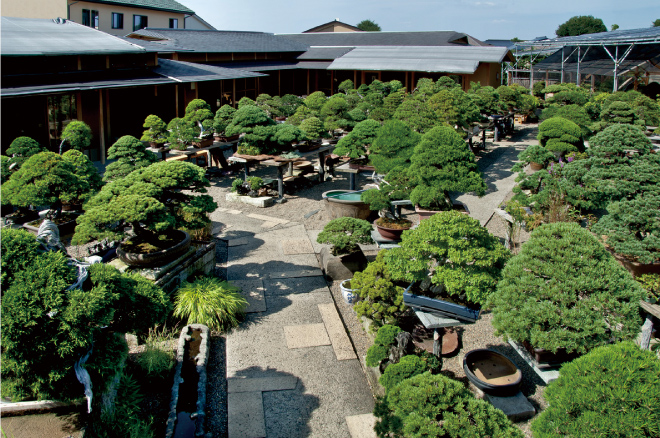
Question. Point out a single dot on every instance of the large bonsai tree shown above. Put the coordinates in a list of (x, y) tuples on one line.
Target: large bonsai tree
[(223, 118), (613, 391), (356, 143), (454, 107), (575, 113), (21, 149), (560, 136), (315, 101), (313, 128), (443, 163), (78, 135), (88, 179), (566, 94), (415, 113), (130, 154), (198, 112), (486, 98), (455, 251), (393, 146), (335, 113), (151, 200), (155, 132), (257, 127), (181, 133), (564, 290)]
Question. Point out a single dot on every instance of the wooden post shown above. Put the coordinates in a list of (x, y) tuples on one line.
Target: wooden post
[(406, 81), (101, 127), (107, 115), (279, 82), (233, 95), (308, 73), (412, 81), (176, 99), (355, 79)]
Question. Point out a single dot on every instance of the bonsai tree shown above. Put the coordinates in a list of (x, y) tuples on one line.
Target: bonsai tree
[(442, 163), (454, 107), (510, 96), (313, 128), (345, 234), (181, 133), (88, 179), (21, 149), (409, 366), (257, 127), (428, 405), (396, 186), (619, 141), (455, 251), (415, 113), (599, 395), (566, 94), (5, 171), (632, 228), (246, 101), (198, 112), (302, 113), (560, 136), (78, 135), (393, 146), (315, 101), (380, 350), (284, 135), (130, 154), (355, 144), (335, 113), (533, 154), (575, 113), (564, 290), (380, 299), (223, 118), (486, 98), (151, 200), (156, 132), (290, 104)]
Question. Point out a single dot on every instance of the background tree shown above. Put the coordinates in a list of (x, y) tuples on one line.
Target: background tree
[(656, 23), (130, 154), (21, 149), (614, 27), (368, 26), (580, 25)]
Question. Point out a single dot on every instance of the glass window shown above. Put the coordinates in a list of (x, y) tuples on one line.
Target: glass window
[(86, 21), (174, 23), (139, 22), (117, 20), (61, 111), (95, 19)]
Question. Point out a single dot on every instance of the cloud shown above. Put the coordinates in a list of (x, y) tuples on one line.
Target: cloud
[(484, 4)]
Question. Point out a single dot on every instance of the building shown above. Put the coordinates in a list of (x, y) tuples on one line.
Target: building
[(334, 26), (116, 17)]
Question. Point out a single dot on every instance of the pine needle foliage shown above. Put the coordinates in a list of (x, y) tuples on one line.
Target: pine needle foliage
[(409, 366), (345, 234), (210, 301), (130, 154), (560, 135), (393, 146), (78, 135), (21, 149), (380, 350), (156, 131)]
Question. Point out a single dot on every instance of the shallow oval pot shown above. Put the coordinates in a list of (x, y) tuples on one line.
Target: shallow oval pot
[(158, 258), (492, 372)]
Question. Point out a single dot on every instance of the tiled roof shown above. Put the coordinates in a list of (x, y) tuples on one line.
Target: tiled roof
[(160, 5), (348, 39)]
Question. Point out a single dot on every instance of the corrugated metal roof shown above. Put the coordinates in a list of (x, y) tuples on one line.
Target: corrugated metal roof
[(34, 36), (428, 59), (160, 5), (347, 39), (320, 53), (215, 41), (182, 71), (314, 65), (645, 34)]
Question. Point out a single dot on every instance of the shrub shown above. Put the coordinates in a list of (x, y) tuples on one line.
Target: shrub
[(380, 299), (393, 146), (345, 234), (560, 135), (355, 144), (110, 350), (130, 154), (409, 366), (435, 406), (223, 118), (575, 113), (564, 290), (380, 350), (78, 134), (457, 251), (21, 149), (442, 163), (613, 391), (19, 250), (210, 301), (156, 132), (313, 128), (632, 228)]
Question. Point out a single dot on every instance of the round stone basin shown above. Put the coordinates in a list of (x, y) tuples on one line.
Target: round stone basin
[(345, 203)]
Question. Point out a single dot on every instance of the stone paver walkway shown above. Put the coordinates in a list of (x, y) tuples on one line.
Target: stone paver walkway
[(291, 369)]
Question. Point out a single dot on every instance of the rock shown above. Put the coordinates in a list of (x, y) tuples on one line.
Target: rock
[(404, 345), (517, 407), (342, 267)]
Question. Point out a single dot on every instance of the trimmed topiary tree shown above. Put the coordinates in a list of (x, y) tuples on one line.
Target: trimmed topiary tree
[(393, 146), (560, 136), (130, 154), (21, 149), (356, 143), (345, 234), (455, 250), (614, 391), (78, 135), (564, 290), (443, 163), (429, 405), (223, 118), (156, 130)]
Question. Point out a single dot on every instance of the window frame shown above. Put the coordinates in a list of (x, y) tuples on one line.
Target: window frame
[(94, 19), (143, 18), (175, 21), (120, 20), (86, 17)]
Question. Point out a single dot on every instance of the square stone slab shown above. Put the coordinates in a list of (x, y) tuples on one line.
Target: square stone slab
[(297, 246), (269, 224), (245, 417), (361, 426), (282, 383), (237, 242), (516, 407), (341, 344), (306, 335), (253, 291)]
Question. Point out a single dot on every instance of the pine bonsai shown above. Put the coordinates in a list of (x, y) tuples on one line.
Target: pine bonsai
[(302, 113), (396, 186), (566, 94), (335, 113), (393, 146), (21, 149), (356, 143), (315, 101), (290, 104), (130, 154), (345, 234), (151, 200), (78, 135), (313, 128), (443, 163), (454, 107), (246, 101), (575, 113), (613, 391), (486, 98), (533, 154), (5, 172), (88, 178), (156, 130), (380, 350), (510, 96), (284, 135), (619, 140), (409, 366), (181, 133), (257, 127), (198, 112), (415, 113), (560, 136), (223, 118), (564, 290), (455, 251)]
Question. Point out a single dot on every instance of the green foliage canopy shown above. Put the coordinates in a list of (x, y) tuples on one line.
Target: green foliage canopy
[(560, 135), (223, 118), (393, 146), (156, 130), (130, 154), (368, 26), (580, 25), (23, 148), (345, 234), (78, 134), (357, 141)]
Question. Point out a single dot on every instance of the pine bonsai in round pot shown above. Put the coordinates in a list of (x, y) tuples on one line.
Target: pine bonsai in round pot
[(536, 156), (565, 293), (345, 257)]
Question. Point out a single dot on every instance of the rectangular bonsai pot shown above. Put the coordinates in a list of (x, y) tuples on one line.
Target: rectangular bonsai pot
[(440, 307), (548, 359)]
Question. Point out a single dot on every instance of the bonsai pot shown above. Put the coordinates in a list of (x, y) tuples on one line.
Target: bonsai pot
[(280, 119), (203, 143), (349, 295), (360, 166), (447, 307), (228, 138), (547, 359), (392, 231), (66, 224), (492, 372), (158, 258), (635, 268), (425, 214), (20, 217), (535, 166)]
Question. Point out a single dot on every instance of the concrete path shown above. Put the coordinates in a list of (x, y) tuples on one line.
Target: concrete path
[(291, 368)]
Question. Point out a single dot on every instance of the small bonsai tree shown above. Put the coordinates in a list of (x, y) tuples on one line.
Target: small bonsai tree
[(533, 154), (380, 350), (181, 133), (130, 154), (409, 366), (442, 163), (564, 290), (345, 234), (393, 146), (313, 128), (355, 144), (21, 149), (632, 227), (380, 299), (223, 118), (198, 112), (284, 135), (156, 130), (575, 113), (151, 200), (613, 391), (78, 135), (455, 251), (428, 405), (560, 136), (257, 127)]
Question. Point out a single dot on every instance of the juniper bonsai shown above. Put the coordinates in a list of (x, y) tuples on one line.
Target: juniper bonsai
[(455, 251), (78, 135), (156, 130), (564, 290), (355, 144), (393, 146), (560, 135), (130, 154), (21, 149), (345, 234)]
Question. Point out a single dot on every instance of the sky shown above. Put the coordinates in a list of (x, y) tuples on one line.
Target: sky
[(482, 19)]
